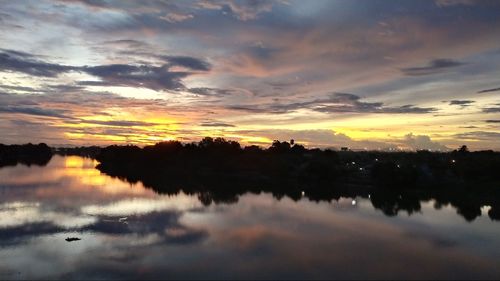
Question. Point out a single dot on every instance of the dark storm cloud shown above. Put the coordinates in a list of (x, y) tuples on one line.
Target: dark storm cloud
[(146, 76), (434, 66), (32, 111), (336, 103), (489, 90), (462, 103)]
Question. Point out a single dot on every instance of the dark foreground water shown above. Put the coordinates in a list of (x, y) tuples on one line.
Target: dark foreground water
[(129, 231)]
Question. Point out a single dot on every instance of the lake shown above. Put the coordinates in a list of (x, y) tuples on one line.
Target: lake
[(126, 230)]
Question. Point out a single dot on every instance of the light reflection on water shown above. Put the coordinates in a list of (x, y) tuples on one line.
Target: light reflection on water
[(129, 231)]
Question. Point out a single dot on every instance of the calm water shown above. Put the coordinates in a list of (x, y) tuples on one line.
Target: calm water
[(129, 231)]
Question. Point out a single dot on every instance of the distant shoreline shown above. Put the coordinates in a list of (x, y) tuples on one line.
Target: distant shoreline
[(218, 170)]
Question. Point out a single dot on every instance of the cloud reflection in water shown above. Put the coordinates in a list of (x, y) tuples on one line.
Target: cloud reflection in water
[(129, 231)]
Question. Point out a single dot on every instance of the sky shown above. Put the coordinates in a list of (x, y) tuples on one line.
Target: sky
[(363, 74)]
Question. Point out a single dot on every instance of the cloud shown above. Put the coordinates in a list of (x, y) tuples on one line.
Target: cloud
[(18, 88), (320, 137), (11, 236), (188, 62), (128, 43), (120, 119), (343, 102), (336, 103), (462, 103), (163, 223), (90, 3), (492, 121), (25, 63), (406, 109), (491, 109), (332, 139), (274, 58), (176, 17), (206, 91), (216, 124), (243, 10), (447, 3), (118, 123), (313, 138), (141, 52), (19, 54), (469, 127), (33, 111), (489, 90), (418, 142), (249, 9), (434, 66), (142, 76), (479, 136)]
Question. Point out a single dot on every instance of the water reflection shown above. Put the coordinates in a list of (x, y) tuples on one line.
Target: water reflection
[(130, 231)]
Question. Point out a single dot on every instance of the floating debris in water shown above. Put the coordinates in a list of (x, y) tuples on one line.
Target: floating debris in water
[(71, 239)]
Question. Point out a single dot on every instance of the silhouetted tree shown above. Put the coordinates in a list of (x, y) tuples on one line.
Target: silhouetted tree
[(279, 147), (219, 170), (27, 154)]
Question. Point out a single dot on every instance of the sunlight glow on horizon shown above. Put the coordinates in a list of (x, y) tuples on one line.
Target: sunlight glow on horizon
[(326, 74)]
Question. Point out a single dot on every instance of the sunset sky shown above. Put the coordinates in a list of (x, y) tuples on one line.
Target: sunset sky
[(364, 74)]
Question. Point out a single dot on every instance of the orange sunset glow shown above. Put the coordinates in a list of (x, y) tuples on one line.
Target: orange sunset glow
[(368, 75)]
